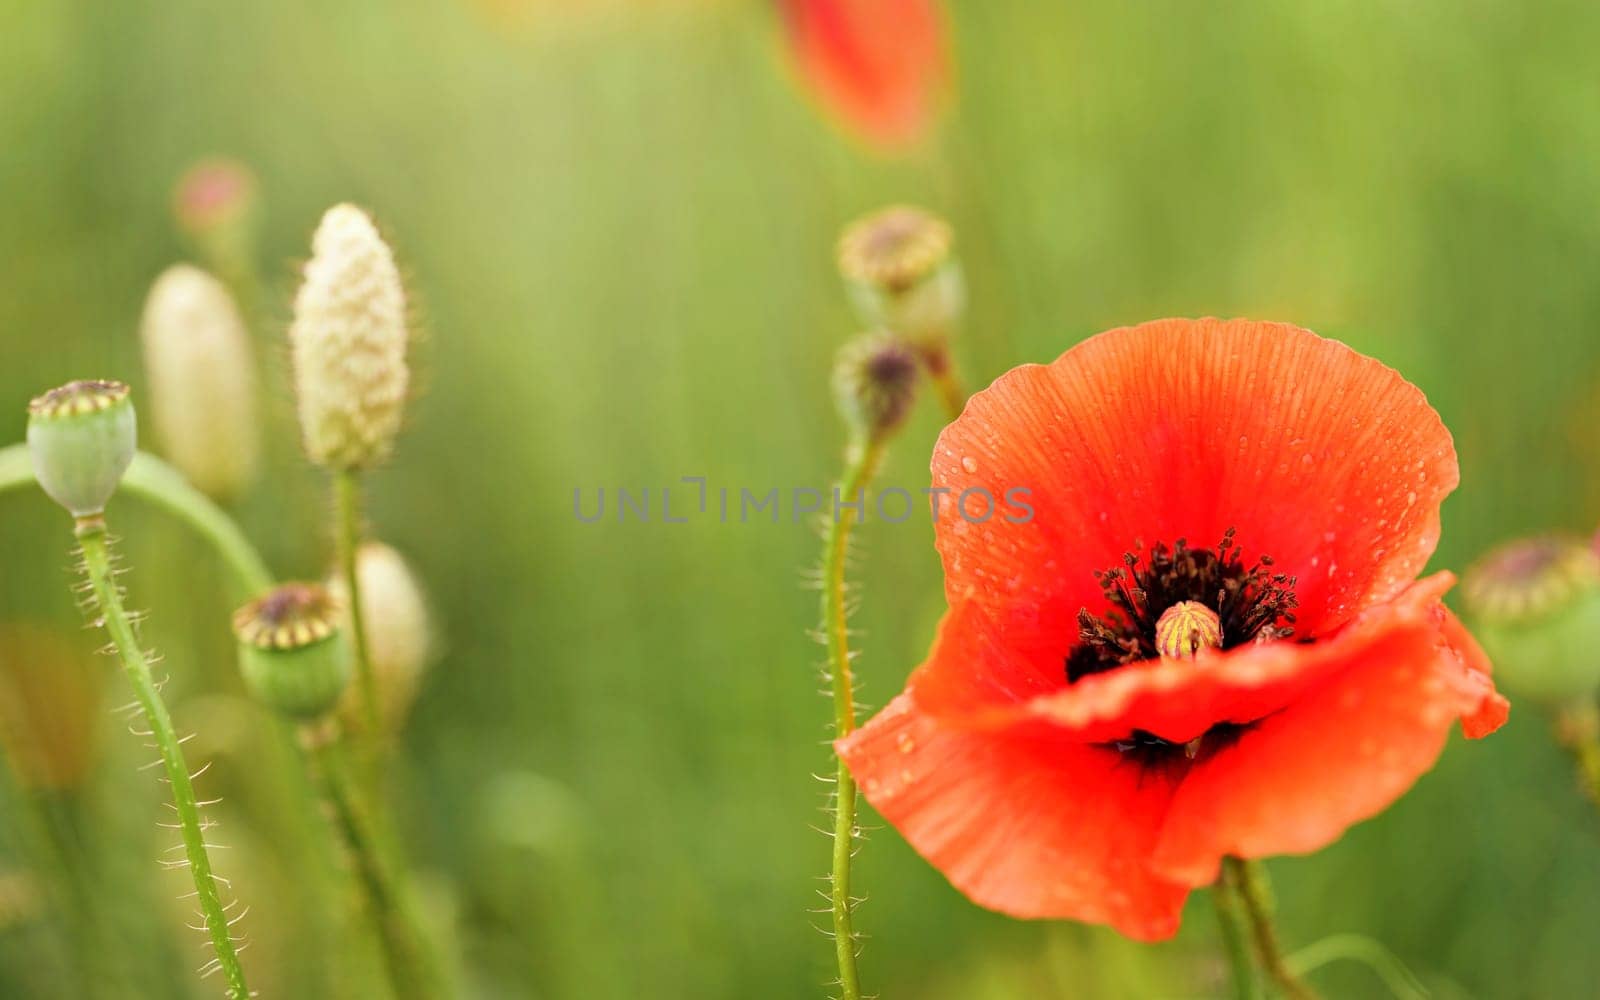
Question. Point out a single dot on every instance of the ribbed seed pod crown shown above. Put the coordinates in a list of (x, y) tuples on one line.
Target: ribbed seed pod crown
[(901, 273), (348, 343), (203, 395), (291, 652)]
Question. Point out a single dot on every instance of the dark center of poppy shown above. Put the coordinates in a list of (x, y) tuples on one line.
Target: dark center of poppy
[(1178, 601)]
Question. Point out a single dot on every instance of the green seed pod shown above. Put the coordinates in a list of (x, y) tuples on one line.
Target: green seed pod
[(82, 436), (1535, 607), (901, 275), (874, 383), (292, 654)]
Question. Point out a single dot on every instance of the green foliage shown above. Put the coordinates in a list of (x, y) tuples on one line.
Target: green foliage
[(621, 240)]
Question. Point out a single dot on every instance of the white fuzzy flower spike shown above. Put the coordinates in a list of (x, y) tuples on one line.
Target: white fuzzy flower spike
[(202, 380), (348, 343)]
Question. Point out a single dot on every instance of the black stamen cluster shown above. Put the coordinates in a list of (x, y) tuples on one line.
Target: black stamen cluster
[(1253, 603)]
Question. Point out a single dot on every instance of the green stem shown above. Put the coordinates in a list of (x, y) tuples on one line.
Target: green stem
[(91, 532), (1235, 939), (1255, 891), (165, 487), (863, 463), (946, 383), (1578, 729), (1357, 948), (411, 971), (347, 499)]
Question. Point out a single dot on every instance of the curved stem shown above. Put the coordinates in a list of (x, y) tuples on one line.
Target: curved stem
[(411, 969), (164, 486), (1357, 948), (1235, 940), (863, 463), (1578, 729), (347, 533), (1256, 892), (96, 551)]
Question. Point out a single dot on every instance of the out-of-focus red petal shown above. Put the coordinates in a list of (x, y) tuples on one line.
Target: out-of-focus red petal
[(1324, 459), (1296, 780), (1025, 823), (879, 65), (972, 679)]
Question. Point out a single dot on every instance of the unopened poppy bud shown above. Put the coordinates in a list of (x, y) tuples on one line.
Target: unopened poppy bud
[(81, 437), (1186, 628), (291, 651), (399, 637), (202, 380), (214, 194), (348, 343), (1535, 608), (874, 383), (899, 270)]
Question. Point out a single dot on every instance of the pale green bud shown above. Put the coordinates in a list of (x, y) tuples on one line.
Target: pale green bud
[(1534, 605), (81, 437)]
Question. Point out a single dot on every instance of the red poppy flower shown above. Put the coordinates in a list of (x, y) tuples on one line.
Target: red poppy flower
[(877, 64), (1078, 744)]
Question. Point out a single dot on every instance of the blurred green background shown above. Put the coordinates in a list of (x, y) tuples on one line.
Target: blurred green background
[(619, 233)]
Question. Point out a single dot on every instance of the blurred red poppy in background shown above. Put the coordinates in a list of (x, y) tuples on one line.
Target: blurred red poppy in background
[(879, 67), (1209, 638)]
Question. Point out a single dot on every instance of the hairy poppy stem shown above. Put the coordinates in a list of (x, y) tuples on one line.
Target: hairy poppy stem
[(91, 532), (862, 465), (1578, 729), (347, 531), (1256, 892), (413, 973), (1225, 896)]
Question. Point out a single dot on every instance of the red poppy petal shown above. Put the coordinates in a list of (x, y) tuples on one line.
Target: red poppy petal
[(972, 679), (1294, 782), (1028, 824), (877, 64), (1322, 458), (1493, 710)]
